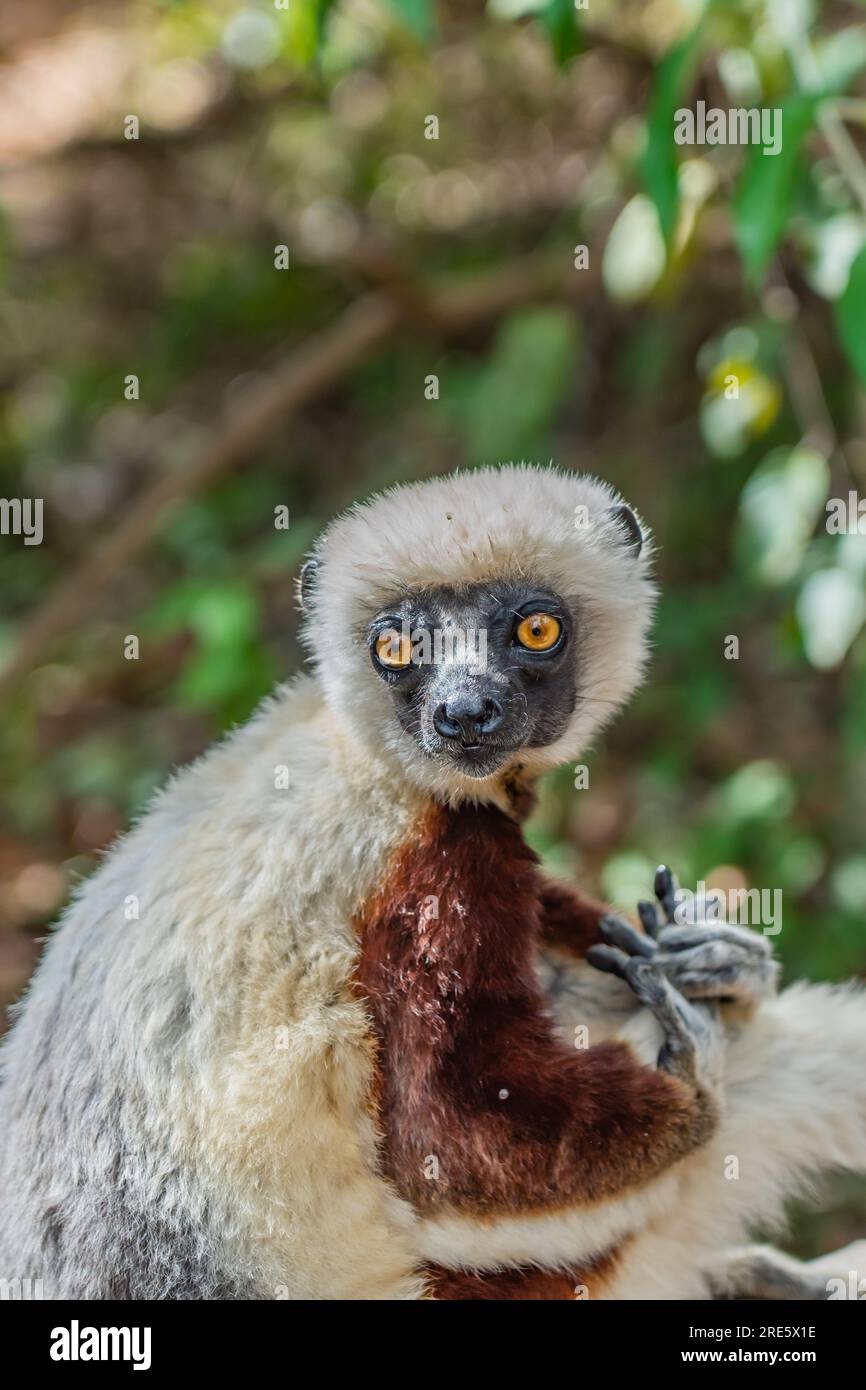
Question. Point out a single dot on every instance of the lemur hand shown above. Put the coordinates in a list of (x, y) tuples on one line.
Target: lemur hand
[(693, 1044), (704, 960)]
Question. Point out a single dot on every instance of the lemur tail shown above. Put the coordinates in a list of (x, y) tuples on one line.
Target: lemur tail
[(797, 1091), (795, 1107)]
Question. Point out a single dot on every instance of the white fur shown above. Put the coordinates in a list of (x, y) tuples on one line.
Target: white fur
[(795, 1106), (207, 1065), (549, 1239)]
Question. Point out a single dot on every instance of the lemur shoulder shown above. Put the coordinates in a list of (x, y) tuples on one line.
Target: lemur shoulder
[(334, 1056)]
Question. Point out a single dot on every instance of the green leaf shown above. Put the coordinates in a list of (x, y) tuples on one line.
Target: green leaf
[(634, 256), (417, 15), (322, 13), (765, 192), (759, 791), (831, 610), (779, 509), (513, 401), (227, 669), (305, 29), (225, 614), (559, 18), (850, 311), (660, 165), (840, 58)]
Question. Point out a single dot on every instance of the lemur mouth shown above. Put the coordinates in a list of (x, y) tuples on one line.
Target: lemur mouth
[(481, 759)]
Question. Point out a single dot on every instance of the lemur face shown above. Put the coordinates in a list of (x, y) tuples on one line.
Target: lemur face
[(478, 672), (483, 624)]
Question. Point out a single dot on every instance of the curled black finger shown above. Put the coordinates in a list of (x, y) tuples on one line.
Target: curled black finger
[(648, 914), (665, 888), (607, 958), (627, 938)]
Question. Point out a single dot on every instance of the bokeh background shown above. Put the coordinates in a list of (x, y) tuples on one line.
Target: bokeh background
[(707, 355)]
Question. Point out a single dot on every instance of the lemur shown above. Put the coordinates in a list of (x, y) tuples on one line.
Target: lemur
[(309, 1031)]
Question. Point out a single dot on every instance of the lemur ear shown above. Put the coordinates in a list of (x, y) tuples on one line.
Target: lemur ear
[(306, 579), (628, 527)]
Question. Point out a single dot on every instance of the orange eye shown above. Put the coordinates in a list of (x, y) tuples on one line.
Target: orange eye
[(539, 632), (394, 649)]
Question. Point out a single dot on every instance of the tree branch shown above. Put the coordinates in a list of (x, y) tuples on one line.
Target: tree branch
[(305, 374)]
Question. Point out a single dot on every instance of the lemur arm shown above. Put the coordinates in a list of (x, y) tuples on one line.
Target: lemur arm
[(570, 920), (472, 1072), (517, 1123), (537, 1124)]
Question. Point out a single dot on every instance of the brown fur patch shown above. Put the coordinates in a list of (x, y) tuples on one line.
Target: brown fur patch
[(569, 921), (473, 1076), (523, 1283)]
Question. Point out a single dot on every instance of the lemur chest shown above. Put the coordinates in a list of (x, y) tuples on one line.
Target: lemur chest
[(446, 959)]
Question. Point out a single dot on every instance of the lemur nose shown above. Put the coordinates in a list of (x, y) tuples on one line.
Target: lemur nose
[(467, 717)]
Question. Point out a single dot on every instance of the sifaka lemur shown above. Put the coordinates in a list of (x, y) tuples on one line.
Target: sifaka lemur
[(310, 1031)]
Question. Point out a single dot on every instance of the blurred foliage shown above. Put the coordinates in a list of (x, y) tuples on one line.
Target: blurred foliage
[(712, 366)]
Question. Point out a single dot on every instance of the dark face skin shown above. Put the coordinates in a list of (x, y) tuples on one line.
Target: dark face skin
[(471, 680)]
